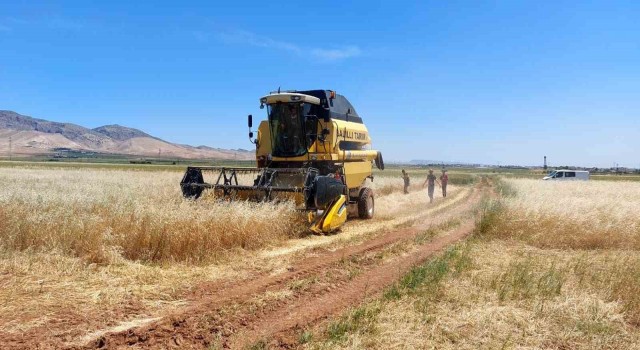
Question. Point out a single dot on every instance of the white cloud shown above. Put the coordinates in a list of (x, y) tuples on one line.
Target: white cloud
[(337, 54), (323, 54)]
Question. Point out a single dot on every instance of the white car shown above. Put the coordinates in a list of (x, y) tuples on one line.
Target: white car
[(567, 175)]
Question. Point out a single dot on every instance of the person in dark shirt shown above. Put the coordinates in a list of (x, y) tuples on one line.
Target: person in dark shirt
[(405, 177), (444, 179), (431, 180)]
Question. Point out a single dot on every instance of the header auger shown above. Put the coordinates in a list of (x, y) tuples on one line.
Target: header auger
[(313, 149)]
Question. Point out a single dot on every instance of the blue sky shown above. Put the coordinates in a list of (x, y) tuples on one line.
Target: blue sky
[(476, 81)]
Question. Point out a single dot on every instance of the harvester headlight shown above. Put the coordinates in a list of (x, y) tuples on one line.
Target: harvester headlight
[(263, 100), (295, 98)]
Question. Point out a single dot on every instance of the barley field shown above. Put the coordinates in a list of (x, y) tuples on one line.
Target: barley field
[(101, 216), (553, 265), (575, 215), (118, 243)]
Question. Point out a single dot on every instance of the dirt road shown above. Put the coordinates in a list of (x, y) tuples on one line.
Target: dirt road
[(275, 309)]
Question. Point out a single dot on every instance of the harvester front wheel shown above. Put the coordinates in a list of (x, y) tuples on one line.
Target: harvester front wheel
[(366, 203), (191, 183)]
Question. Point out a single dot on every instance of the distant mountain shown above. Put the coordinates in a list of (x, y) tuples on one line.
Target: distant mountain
[(120, 133), (32, 136)]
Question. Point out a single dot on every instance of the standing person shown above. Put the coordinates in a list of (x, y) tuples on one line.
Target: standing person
[(444, 179), (337, 175), (431, 180), (405, 177)]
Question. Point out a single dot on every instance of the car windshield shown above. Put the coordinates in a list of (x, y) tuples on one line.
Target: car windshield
[(286, 121), (552, 174)]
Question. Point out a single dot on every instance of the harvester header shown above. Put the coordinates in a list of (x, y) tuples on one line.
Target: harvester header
[(312, 148)]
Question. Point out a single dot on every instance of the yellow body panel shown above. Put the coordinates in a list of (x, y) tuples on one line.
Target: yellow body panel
[(356, 173), (348, 131), (332, 218), (263, 147)]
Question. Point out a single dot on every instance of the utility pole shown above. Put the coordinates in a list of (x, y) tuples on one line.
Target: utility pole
[(10, 148)]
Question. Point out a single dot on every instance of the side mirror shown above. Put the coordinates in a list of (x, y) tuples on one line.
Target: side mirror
[(250, 134), (250, 120), (379, 162)]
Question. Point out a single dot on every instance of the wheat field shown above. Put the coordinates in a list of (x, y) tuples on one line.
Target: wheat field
[(96, 241), (553, 265), (101, 216), (105, 215), (578, 215)]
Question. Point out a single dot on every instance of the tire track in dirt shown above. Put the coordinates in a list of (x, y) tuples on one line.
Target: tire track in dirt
[(281, 326), (308, 265), (224, 313)]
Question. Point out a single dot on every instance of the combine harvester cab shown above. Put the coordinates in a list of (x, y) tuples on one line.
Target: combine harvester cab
[(313, 149)]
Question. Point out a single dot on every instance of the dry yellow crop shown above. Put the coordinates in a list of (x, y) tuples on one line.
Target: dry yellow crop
[(103, 215), (554, 265), (580, 215), (77, 241)]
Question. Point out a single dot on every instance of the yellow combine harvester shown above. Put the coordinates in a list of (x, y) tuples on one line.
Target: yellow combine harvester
[(313, 149)]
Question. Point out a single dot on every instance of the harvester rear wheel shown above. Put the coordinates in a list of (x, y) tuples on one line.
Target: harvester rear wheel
[(366, 203)]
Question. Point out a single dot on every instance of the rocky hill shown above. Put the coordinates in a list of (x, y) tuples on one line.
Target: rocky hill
[(120, 133), (32, 136)]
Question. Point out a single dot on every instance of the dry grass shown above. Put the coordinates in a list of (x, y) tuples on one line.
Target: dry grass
[(104, 215), (554, 265), (599, 216), (96, 247), (509, 296), (38, 288), (576, 215)]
